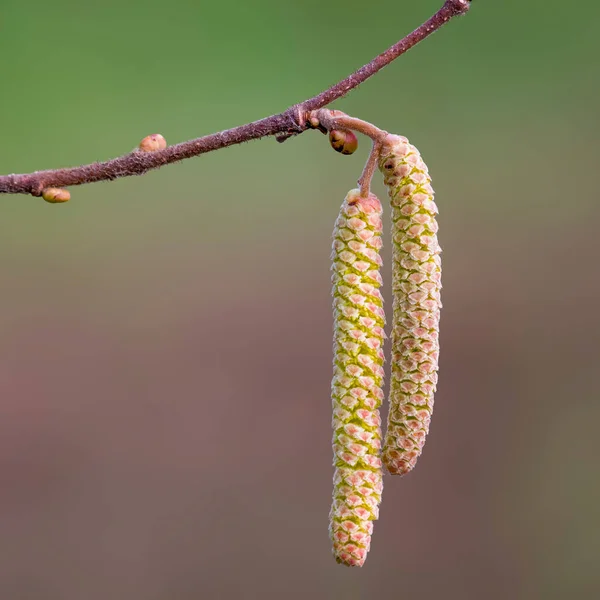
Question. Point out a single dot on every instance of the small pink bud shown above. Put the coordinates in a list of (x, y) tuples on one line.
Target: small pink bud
[(152, 143)]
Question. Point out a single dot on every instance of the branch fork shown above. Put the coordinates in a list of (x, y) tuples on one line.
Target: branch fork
[(327, 120)]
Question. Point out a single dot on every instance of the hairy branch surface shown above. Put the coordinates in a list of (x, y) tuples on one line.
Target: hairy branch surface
[(291, 122)]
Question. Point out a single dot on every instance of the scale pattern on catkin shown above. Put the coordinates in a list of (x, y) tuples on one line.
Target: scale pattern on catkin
[(416, 284), (358, 377)]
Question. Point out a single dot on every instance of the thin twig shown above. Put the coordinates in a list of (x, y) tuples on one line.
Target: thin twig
[(451, 8), (367, 175), (336, 119), (290, 122)]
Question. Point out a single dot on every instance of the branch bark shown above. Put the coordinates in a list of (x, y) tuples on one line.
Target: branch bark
[(291, 122)]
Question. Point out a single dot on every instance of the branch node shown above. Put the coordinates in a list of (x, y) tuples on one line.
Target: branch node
[(458, 7)]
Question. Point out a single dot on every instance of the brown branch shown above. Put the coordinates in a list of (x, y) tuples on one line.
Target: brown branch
[(451, 8), (291, 122)]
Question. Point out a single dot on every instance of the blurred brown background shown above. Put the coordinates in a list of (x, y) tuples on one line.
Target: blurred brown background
[(165, 353)]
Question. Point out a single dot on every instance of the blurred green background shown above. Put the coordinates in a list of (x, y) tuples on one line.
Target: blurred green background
[(165, 348)]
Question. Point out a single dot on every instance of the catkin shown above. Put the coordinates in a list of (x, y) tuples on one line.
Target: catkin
[(416, 283), (358, 377)]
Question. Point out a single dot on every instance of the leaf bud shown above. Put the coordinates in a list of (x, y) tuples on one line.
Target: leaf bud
[(56, 195), (153, 143), (343, 141)]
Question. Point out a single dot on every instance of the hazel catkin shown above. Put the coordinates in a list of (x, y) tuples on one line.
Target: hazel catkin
[(416, 284), (358, 377)]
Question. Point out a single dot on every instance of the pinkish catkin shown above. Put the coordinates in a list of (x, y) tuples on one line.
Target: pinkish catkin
[(358, 377), (416, 284)]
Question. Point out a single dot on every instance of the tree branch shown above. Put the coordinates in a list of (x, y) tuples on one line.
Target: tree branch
[(286, 124)]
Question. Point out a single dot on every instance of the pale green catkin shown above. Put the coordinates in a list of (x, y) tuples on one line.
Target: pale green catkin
[(416, 284), (358, 377)]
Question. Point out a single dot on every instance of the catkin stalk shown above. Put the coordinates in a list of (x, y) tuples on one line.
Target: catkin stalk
[(358, 377), (416, 284)]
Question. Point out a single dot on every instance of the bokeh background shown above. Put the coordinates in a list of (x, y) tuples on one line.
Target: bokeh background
[(165, 340)]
